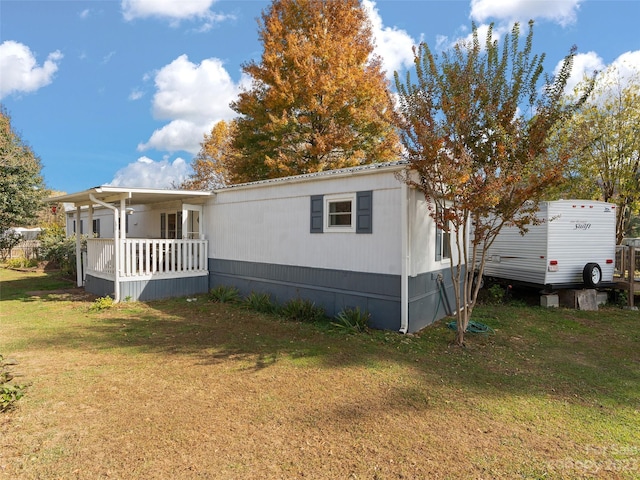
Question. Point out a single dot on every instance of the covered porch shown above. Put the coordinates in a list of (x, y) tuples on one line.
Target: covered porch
[(166, 258)]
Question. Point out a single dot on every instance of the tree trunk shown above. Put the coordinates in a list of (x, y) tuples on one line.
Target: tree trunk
[(459, 340)]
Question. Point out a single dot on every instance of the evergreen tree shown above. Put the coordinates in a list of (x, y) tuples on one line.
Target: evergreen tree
[(21, 185)]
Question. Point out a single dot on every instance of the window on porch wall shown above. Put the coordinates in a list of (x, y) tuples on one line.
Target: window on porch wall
[(81, 227), (171, 225), (193, 221), (96, 227)]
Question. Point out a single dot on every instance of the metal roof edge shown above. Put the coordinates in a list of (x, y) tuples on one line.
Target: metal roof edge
[(342, 172)]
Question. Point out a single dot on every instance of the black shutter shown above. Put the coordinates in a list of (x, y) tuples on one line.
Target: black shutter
[(364, 212), (317, 203)]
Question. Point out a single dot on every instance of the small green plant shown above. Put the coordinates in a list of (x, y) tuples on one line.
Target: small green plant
[(260, 302), (102, 303), (619, 298), (22, 262), (353, 319), (9, 393), (224, 294), (494, 295), (301, 310)]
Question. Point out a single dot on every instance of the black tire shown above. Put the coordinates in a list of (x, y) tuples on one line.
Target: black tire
[(592, 275)]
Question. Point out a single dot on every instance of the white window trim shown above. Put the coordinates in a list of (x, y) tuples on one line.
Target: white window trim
[(343, 197)]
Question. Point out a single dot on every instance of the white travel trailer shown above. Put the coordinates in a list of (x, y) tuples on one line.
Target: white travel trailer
[(573, 247), (356, 237)]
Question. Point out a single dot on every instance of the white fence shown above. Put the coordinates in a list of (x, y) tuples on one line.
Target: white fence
[(26, 248), (146, 257)]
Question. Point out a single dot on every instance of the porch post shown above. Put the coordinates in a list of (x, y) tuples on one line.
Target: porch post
[(123, 218), (116, 246), (78, 249), (90, 231)]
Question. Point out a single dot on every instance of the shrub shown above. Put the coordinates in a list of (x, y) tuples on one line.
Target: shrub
[(102, 303), (8, 240), (496, 294), (353, 319), (224, 294), (59, 250), (260, 302), (9, 393), (22, 262), (301, 310)]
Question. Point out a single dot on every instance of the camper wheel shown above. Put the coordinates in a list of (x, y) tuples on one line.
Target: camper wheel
[(592, 275)]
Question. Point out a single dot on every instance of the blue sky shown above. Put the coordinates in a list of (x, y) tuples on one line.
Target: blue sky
[(122, 92)]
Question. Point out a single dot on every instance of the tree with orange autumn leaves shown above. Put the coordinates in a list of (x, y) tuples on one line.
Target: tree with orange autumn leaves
[(210, 166), (475, 127), (318, 100)]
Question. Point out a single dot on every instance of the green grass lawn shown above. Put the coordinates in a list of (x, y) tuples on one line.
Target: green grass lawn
[(177, 389)]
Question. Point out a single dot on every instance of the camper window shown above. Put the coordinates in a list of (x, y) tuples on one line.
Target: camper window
[(339, 213)]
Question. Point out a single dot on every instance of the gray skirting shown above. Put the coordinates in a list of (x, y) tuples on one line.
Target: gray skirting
[(335, 290), (144, 290), (430, 294)]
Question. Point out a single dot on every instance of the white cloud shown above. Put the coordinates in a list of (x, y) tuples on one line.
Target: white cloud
[(445, 43), (584, 64), (178, 135), (147, 173), (192, 97), (619, 72), (559, 11), (84, 13), (393, 45), (107, 58), (165, 8), (174, 11), (196, 92), (627, 65), (20, 72), (136, 94)]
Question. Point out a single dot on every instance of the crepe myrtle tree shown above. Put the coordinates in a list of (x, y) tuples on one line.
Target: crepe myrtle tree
[(474, 125)]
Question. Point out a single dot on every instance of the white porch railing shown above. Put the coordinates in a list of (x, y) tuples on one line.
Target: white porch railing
[(145, 257), (100, 256)]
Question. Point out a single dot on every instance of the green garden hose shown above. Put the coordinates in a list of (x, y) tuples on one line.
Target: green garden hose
[(473, 327)]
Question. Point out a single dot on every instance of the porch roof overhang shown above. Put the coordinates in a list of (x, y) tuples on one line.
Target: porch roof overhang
[(139, 196)]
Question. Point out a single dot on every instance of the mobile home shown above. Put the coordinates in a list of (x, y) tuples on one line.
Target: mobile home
[(356, 237), (573, 246)]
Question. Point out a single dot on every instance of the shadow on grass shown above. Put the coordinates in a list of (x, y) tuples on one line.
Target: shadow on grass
[(16, 284), (582, 358)]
